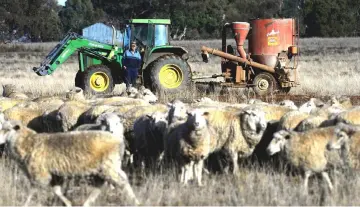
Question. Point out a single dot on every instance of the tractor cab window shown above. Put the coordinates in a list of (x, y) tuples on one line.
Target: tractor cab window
[(140, 33)]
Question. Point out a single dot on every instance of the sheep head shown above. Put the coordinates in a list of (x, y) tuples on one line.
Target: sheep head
[(111, 122), (343, 133), (253, 125), (177, 111), (197, 119), (158, 120), (278, 142)]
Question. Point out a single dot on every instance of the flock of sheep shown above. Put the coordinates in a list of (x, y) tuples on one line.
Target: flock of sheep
[(52, 138)]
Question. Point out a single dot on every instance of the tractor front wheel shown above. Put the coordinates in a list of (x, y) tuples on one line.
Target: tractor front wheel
[(97, 79), (264, 84), (169, 74)]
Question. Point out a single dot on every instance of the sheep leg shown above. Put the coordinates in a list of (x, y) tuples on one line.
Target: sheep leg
[(198, 171), (58, 192), (306, 180), (325, 176), (235, 164), (118, 178), (31, 194), (93, 195)]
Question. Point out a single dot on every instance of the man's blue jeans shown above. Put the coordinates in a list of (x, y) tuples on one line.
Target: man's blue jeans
[(131, 75)]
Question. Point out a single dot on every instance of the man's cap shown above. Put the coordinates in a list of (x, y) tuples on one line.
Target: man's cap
[(133, 42)]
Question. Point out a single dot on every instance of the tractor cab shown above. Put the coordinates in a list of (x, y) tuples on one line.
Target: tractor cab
[(148, 33)]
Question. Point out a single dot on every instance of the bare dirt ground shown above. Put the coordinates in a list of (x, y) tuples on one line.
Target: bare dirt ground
[(328, 67)]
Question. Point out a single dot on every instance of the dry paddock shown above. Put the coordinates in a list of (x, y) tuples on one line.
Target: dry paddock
[(328, 67)]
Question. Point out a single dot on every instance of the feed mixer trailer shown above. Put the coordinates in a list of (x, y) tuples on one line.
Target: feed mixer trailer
[(271, 61)]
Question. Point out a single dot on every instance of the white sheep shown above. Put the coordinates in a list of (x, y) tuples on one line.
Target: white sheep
[(45, 157), (190, 143), (307, 151)]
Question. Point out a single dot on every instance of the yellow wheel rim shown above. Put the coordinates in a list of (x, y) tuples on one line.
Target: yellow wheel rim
[(170, 76), (99, 81)]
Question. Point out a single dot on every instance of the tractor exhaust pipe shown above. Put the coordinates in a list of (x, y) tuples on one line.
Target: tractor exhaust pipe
[(206, 51)]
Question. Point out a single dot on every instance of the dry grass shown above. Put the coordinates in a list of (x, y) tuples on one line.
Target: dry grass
[(328, 67)]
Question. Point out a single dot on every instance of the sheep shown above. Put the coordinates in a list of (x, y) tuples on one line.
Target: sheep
[(28, 116), (237, 133), (120, 101), (148, 138), (10, 91), (147, 95), (291, 119), (75, 94), (7, 103), (311, 105), (288, 103), (347, 140), (46, 157), (273, 112), (105, 122), (319, 118), (190, 143), (341, 102), (306, 151), (350, 116), (69, 113)]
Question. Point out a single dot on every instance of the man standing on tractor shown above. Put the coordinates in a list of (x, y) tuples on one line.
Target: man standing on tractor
[(131, 64)]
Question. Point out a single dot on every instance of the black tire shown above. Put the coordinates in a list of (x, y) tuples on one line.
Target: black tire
[(264, 84), (176, 67), (284, 90), (79, 79), (89, 85)]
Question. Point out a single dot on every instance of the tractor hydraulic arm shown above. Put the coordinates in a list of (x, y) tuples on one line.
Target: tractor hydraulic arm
[(65, 48)]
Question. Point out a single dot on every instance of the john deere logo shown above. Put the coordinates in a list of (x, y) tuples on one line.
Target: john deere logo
[(273, 38)]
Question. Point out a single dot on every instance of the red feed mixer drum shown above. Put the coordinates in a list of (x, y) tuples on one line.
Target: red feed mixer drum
[(269, 37)]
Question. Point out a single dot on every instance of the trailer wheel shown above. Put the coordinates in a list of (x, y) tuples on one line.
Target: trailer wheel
[(264, 83), (169, 74), (97, 79)]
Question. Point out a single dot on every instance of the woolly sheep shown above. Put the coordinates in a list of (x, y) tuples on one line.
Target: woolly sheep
[(7, 103), (350, 116), (190, 143), (347, 140), (10, 91), (67, 154), (273, 112), (288, 103), (320, 118), (291, 119), (75, 94), (69, 113), (237, 133), (307, 151)]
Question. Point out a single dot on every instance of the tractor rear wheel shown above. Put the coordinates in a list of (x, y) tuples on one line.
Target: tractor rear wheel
[(97, 79), (169, 74), (264, 83)]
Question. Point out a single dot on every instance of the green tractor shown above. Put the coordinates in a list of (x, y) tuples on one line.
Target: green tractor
[(164, 67)]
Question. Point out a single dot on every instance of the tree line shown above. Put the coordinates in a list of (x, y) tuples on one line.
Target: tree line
[(45, 20)]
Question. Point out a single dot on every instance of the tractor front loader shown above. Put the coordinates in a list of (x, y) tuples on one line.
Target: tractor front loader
[(164, 67)]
